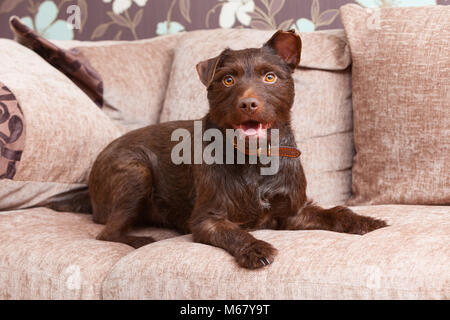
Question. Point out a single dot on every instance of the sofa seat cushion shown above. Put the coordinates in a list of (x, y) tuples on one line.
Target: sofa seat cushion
[(54, 255), (409, 259)]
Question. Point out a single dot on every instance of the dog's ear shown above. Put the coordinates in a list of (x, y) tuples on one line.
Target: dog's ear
[(288, 45), (206, 69)]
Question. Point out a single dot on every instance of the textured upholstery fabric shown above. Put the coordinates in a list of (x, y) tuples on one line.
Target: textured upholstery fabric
[(401, 104), (407, 260), (65, 130), (46, 254), (70, 62), (135, 76), (54, 255), (322, 108), (127, 79)]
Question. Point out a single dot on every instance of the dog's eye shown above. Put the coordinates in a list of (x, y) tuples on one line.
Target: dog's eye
[(228, 81), (270, 77)]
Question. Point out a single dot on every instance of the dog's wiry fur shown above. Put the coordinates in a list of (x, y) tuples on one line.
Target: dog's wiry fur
[(134, 180)]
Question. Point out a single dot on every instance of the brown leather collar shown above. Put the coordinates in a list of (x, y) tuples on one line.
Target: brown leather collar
[(283, 151)]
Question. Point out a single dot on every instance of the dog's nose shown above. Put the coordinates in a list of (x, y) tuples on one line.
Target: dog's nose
[(249, 104)]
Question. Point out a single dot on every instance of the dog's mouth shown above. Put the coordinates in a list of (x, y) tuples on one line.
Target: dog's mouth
[(253, 128)]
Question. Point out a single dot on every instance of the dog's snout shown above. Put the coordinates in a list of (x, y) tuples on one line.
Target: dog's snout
[(249, 104)]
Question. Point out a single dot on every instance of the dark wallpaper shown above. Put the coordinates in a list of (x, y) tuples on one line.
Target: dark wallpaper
[(138, 19)]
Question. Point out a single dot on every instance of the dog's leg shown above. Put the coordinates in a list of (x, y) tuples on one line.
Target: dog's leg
[(127, 199), (339, 219), (249, 252), (116, 228)]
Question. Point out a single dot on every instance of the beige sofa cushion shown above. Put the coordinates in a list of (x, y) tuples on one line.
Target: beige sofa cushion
[(401, 104), (54, 255), (61, 129), (322, 116), (127, 79), (409, 259), (46, 254)]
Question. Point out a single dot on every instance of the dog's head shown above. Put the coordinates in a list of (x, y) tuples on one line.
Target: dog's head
[(252, 89)]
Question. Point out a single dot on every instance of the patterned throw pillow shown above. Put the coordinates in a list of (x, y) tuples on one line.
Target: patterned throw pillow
[(401, 104), (12, 133)]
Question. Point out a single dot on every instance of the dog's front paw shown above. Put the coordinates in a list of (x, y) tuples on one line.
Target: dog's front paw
[(256, 255)]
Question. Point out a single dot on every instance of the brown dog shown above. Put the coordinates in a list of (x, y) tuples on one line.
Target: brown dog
[(135, 180)]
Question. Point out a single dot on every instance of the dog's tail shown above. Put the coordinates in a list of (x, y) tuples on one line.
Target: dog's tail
[(76, 200)]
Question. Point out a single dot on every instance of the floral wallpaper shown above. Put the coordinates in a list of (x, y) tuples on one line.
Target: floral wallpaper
[(138, 19)]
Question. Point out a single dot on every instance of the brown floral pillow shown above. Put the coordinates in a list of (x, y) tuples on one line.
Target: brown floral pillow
[(127, 79), (401, 104), (12, 133)]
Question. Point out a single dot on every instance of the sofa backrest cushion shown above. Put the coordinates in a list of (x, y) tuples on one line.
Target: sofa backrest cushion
[(401, 104), (126, 79), (321, 115), (50, 131)]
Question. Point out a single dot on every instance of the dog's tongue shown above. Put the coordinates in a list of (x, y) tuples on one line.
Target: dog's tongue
[(252, 128)]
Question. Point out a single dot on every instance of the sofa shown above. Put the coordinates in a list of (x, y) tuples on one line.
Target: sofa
[(68, 117)]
